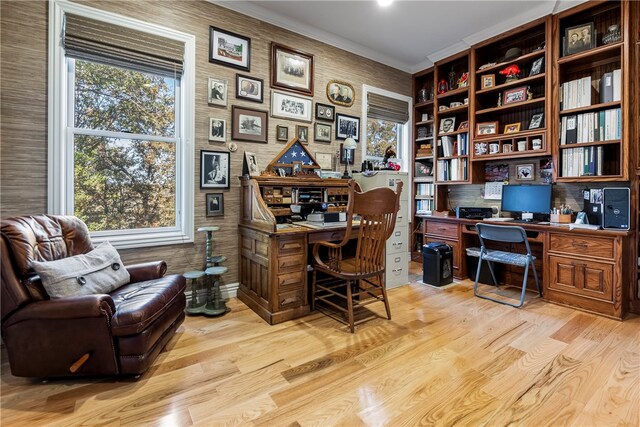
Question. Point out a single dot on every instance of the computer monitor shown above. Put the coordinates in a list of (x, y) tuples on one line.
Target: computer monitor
[(534, 199)]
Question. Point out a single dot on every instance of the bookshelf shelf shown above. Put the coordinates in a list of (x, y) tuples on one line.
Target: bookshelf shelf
[(458, 132), (423, 179), (423, 104), (594, 107), (424, 197), (519, 82), (524, 58), (426, 138), (424, 158), (515, 105), (589, 144), (502, 136), (453, 110), (454, 92), (425, 122), (592, 55), (464, 156)]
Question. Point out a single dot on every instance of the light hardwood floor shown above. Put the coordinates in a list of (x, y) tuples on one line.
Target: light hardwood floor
[(446, 358)]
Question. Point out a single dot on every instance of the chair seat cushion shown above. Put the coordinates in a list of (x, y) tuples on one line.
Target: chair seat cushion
[(507, 257), (140, 304)]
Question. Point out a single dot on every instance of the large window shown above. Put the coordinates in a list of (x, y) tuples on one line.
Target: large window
[(387, 129), (121, 157)]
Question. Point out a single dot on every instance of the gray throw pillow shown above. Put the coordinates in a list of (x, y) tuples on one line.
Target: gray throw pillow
[(97, 272)]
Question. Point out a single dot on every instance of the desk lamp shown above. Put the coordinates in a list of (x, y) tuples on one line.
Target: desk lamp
[(349, 144)]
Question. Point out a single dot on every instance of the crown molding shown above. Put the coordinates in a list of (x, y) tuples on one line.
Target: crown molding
[(427, 63), (255, 11), (448, 51)]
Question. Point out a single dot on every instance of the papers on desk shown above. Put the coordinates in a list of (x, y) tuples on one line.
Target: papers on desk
[(325, 225)]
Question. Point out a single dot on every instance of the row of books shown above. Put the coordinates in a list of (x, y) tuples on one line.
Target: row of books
[(605, 125), (424, 206), (578, 93), (457, 145), (582, 161), (424, 189), (452, 170)]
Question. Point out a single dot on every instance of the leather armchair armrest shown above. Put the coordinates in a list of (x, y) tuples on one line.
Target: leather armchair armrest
[(147, 271), (65, 308)]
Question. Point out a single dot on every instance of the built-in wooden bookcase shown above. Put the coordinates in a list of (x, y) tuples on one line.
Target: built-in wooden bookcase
[(590, 94), (451, 111), (504, 107)]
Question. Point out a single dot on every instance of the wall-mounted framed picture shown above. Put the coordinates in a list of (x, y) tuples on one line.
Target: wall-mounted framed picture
[(486, 128), (249, 88), (525, 172), (290, 106), (322, 132), (217, 91), (325, 112), (347, 126), (217, 130), (512, 128), (578, 38), (291, 69), (282, 133), (518, 94), (302, 132), (249, 125), (487, 81), (536, 67), (230, 49), (325, 161), (536, 121), (214, 169), (215, 204), (341, 93)]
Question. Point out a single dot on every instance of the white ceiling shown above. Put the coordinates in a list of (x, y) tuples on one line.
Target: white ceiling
[(408, 35)]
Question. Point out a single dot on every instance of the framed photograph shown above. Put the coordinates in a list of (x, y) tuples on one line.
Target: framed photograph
[(512, 128), (324, 161), (291, 69), (347, 126), (214, 169), (217, 92), (290, 106), (341, 93), (297, 168), (536, 67), (487, 81), (249, 125), (249, 88), (487, 128), (447, 125), (282, 133), (325, 112), (217, 129), (252, 164), (525, 172), (230, 49), (215, 204), (518, 94), (302, 132), (322, 132), (578, 38), (464, 125), (343, 155), (536, 121)]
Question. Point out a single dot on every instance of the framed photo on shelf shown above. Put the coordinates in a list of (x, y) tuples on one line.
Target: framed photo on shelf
[(290, 106), (214, 169), (325, 112), (251, 162), (525, 172), (464, 125), (302, 132), (536, 67), (215, 204), (579, 38), (230, 49), (536, 121), (512, 128), (487, 128), (447, 125), (341, 93), (325, 161), (487, 81), (249, 125), (217, 129), (322, 132), (217, 92), (291, 69), (282, 133), (249, 88), (347, 126), (518, 94)]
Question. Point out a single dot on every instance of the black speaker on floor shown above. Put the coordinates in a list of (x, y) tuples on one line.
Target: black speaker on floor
[(615, 209)]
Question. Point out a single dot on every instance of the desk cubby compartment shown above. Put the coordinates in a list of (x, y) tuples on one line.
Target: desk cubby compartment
[(525, 144)]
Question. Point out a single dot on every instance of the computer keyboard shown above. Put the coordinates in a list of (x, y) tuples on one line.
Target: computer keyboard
[(587, 226)]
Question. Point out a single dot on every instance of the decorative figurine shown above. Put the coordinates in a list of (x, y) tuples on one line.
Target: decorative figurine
[(442, 86), (612, 36), (452, 79), (499, 100), (511, 71), (529, 94), (463, 81)]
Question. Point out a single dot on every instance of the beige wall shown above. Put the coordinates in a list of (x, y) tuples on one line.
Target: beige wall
[(24, 106)]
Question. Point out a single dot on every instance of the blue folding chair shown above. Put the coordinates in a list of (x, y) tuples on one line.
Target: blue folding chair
[(505, 234)]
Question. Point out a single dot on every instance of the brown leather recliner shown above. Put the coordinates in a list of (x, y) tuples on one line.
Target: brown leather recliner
[(118, 333)]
